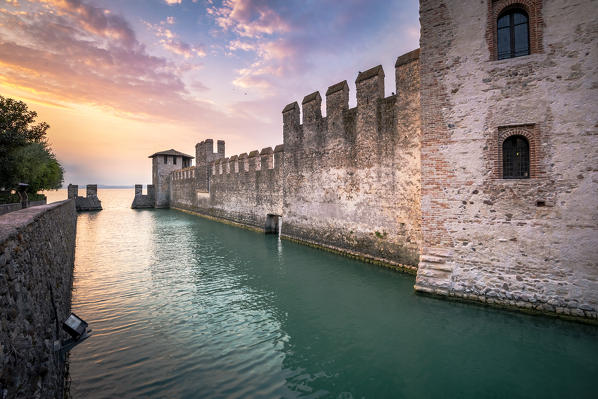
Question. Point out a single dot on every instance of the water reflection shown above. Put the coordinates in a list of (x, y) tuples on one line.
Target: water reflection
[(184, 307)]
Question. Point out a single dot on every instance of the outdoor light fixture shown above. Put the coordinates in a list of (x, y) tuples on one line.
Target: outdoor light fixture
[(75, 326)]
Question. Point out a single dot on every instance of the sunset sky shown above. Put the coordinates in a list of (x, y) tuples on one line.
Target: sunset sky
[(118, 80)]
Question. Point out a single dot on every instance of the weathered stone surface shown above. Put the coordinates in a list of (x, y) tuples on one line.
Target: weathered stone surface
[(533, 240), (37, 247), (163, 164), (141, 201), (243, 189), (350, 180), (90, 202), (375, 181)]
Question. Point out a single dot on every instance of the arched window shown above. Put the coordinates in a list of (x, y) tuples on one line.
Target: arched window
[(512, 34), (515, 158)]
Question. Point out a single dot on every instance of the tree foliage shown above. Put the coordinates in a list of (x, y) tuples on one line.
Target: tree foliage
[(25, 155)]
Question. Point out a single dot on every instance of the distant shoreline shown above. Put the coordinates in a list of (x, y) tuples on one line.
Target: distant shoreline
[(82, 186)]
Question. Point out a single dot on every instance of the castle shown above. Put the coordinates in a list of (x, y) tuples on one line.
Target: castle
[(480, 174)]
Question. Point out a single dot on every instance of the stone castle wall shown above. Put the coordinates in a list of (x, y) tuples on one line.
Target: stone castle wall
[(37, 249), (525, 242), (416, 178), (242, 189), (141, 201), (351, 179)]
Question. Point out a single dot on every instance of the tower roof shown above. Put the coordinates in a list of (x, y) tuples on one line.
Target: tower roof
[(171, 152)]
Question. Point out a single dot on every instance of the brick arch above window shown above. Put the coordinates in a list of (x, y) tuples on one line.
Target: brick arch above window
[(533, 8), (532, 134)]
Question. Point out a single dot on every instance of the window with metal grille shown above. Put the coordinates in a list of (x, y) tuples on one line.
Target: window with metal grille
[(512, 34), (515, 158)]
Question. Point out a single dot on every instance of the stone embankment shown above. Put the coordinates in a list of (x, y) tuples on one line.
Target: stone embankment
[(37, 251)]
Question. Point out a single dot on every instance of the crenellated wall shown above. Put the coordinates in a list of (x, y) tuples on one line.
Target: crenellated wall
[(352, 178), (419, 182), (90, 202), (242, 189), (141, 201)]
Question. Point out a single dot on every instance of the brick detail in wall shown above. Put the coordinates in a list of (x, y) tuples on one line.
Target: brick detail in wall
[(531, 133), (533, 8)]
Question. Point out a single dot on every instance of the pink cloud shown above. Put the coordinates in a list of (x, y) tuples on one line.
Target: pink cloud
[(95, 21), (61, 58), (170, 41), (249, 18), (276, 58)]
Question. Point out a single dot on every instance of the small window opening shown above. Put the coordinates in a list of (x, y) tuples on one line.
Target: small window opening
[(174, 160), (165, 159), (515, 153), (540, 203), (512, 34)]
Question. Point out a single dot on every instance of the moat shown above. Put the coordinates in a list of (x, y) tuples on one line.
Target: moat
[(183, 307)]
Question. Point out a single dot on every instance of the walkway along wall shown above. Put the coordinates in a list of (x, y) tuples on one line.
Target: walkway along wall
[(37, 249)]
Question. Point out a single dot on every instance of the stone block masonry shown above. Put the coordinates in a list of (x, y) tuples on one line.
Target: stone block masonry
[(425, 178), (243, 189), (352, 178), (90, 202), (530, 242), (348, 181), (37, 249), (141, 201)]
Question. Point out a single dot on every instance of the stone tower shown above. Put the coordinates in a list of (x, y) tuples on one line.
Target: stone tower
[(163, 163)]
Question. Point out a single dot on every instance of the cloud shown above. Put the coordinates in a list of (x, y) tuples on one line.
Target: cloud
[(288, 39), (198, 86), (95, 21), (170, 20), (170, 41), (249, 18), (71, 52), (173, 2)]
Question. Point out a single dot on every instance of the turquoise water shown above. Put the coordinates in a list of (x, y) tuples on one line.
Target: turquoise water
[(183, 307)]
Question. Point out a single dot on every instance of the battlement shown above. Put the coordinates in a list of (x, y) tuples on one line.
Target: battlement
[(266, 159), (304, 128), (141, 201), (204, 151), (90, 202), (185, 173)]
